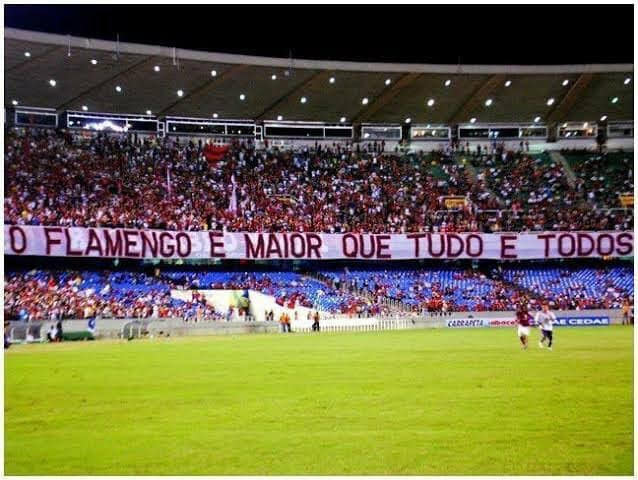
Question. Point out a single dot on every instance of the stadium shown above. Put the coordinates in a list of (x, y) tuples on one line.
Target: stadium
[(228, 264)]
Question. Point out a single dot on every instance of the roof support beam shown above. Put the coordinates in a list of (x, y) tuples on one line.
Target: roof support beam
[(562, 109), (64, 105), (214, 82), (386, 97), (32, 59), (321, 76), (476, 98)]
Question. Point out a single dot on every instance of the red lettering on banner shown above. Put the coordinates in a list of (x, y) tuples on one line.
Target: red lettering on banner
[(146, 242), (561, 244), (113, 248), (546, 237), (580, 249), (93, 244), (122, 242), (51, 241), (302, 243), (599, 244), (441, 242), (12, 237), (350, 253), (506, 246), (187, 242), (450, 252), (381, 246), (273, 246), (72, 253), (171, 248), (621, 243), (213, 244), (362, 245), (314, 244), (253, 251), (479, 241), (130, 243), (416, 237)]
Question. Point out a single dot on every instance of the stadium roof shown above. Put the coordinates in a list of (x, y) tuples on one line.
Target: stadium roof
[(64, 72)]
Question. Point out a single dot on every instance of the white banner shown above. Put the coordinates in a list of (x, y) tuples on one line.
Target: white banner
[(130, 243)]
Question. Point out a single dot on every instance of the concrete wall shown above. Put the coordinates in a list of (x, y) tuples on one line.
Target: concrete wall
[(111, 328), (534, 145)]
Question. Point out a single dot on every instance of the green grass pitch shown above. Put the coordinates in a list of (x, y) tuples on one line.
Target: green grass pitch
[(400, 402)]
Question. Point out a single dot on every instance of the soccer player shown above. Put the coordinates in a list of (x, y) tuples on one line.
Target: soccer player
[(545, 319), (522, 319)]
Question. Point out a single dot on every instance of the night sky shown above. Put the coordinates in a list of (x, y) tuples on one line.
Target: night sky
[(467, 34)]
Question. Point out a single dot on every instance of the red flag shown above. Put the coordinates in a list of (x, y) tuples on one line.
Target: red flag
[(214, 153)]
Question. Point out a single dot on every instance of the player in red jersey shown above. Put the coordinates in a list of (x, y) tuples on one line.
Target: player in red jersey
[(523, 319)]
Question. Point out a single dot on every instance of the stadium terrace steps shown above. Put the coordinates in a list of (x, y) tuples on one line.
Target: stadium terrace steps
[(569, 173), (472, 175)]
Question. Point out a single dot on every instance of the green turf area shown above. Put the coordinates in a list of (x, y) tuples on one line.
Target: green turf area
[(400, 402)]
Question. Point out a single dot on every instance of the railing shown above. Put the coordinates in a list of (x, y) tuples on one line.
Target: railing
[(372, 324)]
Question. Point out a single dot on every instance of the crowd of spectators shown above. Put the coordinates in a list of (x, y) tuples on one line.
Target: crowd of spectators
[(576, 288), (433, 290), (82, 179), (54, 295), (603, 176), (51, 295)]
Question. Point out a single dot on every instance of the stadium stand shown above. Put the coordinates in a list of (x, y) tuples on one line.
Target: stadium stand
[(577, 288), (603, 176), (70, 179), (53, 294)]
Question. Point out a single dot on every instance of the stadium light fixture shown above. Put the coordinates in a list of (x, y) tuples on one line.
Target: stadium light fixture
[(156, 68), (213, 73), (148, 112), (27, 54), (430, 102), (408, 120), (118, 89), (342, 119), (473, 120), (332, 80), (614, 100), (84, 108), (14, 102), (303, 99), (448, 82), (280, 118), (364, 100), (508, 83), (550, 102), (53, 83), (242, 97), (603, 118), (273, 77), (93, 61), (565, 82), (215, 115), (488, 102), (627, 81), (537, 119), (180, 93), (388, 81)]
